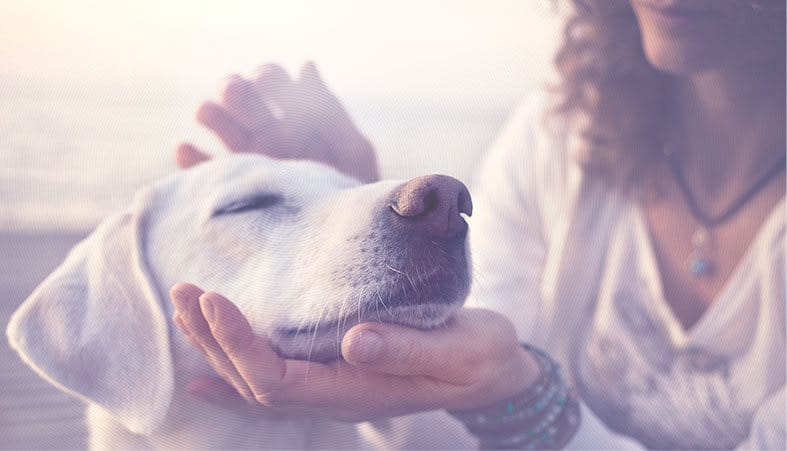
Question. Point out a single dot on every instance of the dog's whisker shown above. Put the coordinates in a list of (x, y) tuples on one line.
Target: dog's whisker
[(360, 301), (383, 303), (339, 329), (311, 345), (409, 279)]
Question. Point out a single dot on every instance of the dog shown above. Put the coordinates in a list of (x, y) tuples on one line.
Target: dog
[(303, 251)]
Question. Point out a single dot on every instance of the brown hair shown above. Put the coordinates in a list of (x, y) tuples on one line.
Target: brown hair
[(615, 101)]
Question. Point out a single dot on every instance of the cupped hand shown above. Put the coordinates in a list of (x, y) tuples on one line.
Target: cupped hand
[(472, 361), (275, 115)]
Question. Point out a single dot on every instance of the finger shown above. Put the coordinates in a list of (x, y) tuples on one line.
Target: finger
[(281, 95), (217, 391), (187, 156), (234, 135), (182, 295), (361, 162), (176, 318), (330, 118), (452, 352), (242, 101), (317, 104), (311, 78), (314, 115), (322, 101), (356, 394), (187, 305), (272, 83), (255, 360)]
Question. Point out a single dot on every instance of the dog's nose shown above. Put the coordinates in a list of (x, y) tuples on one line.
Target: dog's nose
[(433, 203)]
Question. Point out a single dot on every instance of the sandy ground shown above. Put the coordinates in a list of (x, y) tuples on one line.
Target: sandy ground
[(33, 414)]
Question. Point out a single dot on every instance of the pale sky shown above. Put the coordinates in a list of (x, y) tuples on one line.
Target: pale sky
[(364, 47), (95, 95)]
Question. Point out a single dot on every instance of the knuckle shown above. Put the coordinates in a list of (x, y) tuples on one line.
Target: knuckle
[(269, 398), (247, 396), (413, 356), (238, 342), (501, 349), (473, 357), (483, 363)]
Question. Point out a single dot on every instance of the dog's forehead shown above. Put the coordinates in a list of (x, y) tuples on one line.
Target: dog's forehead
[(254, 173)]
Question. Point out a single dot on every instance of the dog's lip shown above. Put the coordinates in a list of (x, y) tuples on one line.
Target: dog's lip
[(351, 319), (416, 306), (384, 312), (323, 342)]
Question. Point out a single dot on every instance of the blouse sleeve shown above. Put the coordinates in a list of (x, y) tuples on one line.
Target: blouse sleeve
[(518, 196), (768, 429), (507, 241)]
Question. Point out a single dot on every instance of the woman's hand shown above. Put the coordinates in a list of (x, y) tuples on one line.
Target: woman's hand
[(275, 115), (472, 361)]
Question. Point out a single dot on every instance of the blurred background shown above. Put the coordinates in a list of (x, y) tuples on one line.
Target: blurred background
[(95, 95)]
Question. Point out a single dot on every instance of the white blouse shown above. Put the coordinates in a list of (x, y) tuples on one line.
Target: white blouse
[(570, 262)]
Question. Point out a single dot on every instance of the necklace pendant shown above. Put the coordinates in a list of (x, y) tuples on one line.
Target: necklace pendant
[(700, 267)]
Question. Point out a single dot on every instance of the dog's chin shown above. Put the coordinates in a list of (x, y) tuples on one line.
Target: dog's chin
[(323, 343)]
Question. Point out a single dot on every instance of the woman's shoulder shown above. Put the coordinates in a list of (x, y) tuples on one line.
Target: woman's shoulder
[(530, 164), (534, 134)]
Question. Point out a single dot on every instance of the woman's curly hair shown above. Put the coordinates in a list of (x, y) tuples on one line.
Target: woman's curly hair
[(615, 100)]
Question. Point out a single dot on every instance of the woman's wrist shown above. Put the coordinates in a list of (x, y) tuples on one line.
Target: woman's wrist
[(544, 414)]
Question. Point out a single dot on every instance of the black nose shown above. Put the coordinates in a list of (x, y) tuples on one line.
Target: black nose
[(432, 204)]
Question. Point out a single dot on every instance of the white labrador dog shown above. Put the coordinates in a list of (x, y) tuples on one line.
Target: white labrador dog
[(304, 252)]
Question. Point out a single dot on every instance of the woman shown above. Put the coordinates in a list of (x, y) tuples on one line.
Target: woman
[(630, 224)]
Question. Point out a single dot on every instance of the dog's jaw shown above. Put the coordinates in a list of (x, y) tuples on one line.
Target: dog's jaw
[(424, 304), (323, 342)]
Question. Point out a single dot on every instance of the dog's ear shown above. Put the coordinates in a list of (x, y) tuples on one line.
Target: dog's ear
[(96, 327)]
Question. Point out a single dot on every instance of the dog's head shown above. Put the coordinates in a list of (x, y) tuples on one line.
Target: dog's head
[(305, 253)]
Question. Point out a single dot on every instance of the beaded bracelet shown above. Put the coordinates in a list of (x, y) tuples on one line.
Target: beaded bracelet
[(524, 405), (541, 436), (548, 401)]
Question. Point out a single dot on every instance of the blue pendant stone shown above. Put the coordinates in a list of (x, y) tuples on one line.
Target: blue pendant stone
[(699, 267)]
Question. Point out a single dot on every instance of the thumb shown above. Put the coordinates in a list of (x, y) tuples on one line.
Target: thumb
[(402, 351)]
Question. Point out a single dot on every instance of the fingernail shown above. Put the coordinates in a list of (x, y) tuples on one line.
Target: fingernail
[(179, 323), (207, 309), (366, 347)]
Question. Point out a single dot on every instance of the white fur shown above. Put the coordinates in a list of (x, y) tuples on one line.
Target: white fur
[(99, 327)]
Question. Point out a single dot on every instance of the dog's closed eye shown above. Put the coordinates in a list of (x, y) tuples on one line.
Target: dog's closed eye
[(256, 202)]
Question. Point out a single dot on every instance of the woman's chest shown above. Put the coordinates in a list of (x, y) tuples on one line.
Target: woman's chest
[(635, 362), (698, 262)]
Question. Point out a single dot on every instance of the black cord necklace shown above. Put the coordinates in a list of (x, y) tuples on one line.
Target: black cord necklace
[(700, 263)]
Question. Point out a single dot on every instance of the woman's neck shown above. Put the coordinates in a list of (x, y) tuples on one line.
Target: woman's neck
[(729, 126)]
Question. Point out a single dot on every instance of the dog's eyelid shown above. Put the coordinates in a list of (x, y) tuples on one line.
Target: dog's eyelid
[(255, 202)]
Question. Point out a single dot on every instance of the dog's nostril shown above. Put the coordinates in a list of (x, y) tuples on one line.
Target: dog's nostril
[(431, 201)]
